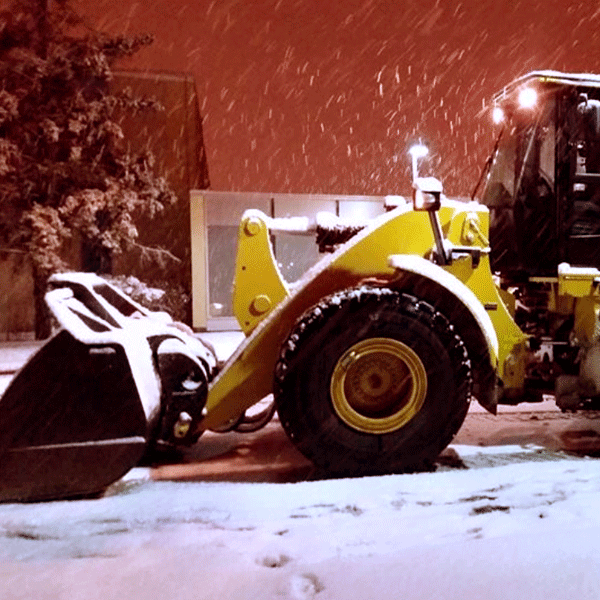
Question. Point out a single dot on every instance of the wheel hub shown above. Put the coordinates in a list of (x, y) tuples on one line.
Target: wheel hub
[(378, 385)]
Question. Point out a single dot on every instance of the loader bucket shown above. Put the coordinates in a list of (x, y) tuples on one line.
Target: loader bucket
[(114, 382), (71, 422)]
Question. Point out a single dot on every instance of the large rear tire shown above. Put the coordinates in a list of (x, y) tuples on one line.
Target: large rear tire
[(372, 381)]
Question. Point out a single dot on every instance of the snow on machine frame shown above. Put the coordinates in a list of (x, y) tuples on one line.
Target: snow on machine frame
[(113, 384), (374, 355)]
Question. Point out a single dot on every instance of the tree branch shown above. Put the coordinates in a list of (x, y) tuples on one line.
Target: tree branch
[(13, 251), (159, 253)]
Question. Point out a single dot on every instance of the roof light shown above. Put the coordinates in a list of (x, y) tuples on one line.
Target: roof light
[(418, 151), (527, 97), (497, 115)]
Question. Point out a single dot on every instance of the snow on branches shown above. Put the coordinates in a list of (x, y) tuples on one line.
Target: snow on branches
[(65, 167)]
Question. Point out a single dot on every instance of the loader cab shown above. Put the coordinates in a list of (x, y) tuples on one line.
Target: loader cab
[(543, 186)]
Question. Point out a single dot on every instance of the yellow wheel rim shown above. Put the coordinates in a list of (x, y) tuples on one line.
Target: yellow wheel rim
[(378, 385)]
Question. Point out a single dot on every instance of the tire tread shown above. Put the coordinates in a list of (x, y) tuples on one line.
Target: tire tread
[(295, 424)]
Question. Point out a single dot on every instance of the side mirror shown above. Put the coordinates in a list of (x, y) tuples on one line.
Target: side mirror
[(427, 192), (590, 114)]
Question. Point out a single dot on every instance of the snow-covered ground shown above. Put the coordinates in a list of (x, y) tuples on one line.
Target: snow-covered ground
[(517, 522)]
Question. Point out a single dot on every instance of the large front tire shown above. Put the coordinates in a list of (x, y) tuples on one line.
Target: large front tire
[(372, 381)]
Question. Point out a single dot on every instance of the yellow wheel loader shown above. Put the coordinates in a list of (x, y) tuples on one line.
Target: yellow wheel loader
[(374, 355)]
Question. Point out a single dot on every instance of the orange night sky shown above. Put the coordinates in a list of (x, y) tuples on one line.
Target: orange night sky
[(326, 96)]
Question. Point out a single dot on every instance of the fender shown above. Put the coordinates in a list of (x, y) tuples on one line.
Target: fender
[(466, 312), (437, 275)]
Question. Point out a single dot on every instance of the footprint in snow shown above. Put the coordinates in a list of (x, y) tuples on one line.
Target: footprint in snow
[(305, 587), (320, 510), (273, 561)]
